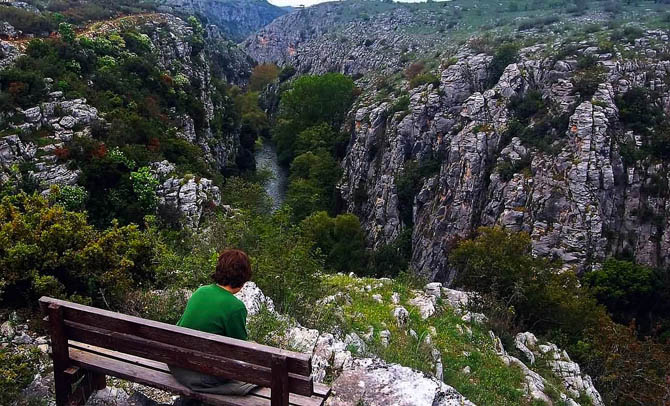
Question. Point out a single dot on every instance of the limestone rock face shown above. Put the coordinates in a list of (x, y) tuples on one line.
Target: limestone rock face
[(376, 383), (190, 197), (236, 18), (318, 40), (577, 197)]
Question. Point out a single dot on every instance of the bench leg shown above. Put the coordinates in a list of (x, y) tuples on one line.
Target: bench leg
[(82, 384), (279, 390), (60, 353)]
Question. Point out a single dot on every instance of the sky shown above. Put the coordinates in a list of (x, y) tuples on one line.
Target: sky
[(307, 3)]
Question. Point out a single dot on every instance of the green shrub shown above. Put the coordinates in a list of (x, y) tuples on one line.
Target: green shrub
[(27, 21), (424, 79), (408, 185), (401, 104), (505, 55), (72, 198), (244, 195), (47, 250), (17, 370), (340, 239), (536, 295), (164, 306)]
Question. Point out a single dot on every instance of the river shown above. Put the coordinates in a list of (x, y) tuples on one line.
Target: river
[(266, 158)]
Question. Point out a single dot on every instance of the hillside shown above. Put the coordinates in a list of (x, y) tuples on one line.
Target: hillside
[(445, 203), (237, 18)]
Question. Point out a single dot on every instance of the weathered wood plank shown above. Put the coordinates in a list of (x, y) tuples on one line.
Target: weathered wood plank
[(165, 381), (297, 400), (294, 399), (183, 357), (280, 385), (234, 349)]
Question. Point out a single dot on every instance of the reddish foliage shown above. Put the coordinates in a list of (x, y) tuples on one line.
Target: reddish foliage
[(100, 151), (62, 153), (167, 79), (413, 70), (154, 145), (16, 88)]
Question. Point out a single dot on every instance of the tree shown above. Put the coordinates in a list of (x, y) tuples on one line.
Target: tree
[(262, 75), (315, 99), (506, 54), (340, 239), (67, 32)]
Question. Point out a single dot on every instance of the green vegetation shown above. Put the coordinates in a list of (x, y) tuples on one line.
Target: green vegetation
[(17, 370), (48, 250), (641, 112), (140, 102), (491, 381), (521, 292), (307, 139), (340, 239), (534, 122)]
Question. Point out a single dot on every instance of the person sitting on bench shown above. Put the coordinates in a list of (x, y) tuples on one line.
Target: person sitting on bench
[(215, 309)]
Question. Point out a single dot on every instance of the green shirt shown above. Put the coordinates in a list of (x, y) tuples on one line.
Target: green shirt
[(213, 309)]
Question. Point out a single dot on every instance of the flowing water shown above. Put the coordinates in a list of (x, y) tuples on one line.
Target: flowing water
[(266, 159)]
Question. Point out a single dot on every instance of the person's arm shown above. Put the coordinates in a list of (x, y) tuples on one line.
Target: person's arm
[(237, 324)]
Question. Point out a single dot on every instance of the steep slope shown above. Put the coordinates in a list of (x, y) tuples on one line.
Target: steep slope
[(574, 172), (150, 92), (353, 37), (237, 18)]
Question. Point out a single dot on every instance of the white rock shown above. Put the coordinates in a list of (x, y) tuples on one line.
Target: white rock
[(378, 298), (254, 299), (401, 316), (425, 304), (433, 289), (395, 298), (385, 337), (6, 330), (375, 383)]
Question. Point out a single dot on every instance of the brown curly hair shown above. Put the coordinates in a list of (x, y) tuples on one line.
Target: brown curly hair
[(232, 269)]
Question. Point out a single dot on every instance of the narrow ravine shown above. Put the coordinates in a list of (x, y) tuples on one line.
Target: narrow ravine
[(266, 159)]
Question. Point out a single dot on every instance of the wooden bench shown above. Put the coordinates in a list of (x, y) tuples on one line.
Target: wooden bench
[(89, 343)]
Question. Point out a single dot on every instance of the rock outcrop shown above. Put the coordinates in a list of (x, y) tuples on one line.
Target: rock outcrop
[(237, 18), (577, 198)]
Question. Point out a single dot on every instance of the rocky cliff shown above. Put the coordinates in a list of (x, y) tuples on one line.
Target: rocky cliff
[(237, 18), (582, 197), (346, 38), (59, 120)]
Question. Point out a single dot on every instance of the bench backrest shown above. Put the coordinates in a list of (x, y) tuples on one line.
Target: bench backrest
[(182, 347)]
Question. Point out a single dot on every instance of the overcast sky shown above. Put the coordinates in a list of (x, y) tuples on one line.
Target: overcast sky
[(296, 3)]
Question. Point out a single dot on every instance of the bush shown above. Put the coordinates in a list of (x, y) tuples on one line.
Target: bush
[(262, 75), (340, 239), (413, 70), (17, 370), (536, 295), (424, 79), (408, 184), (505, 55), (27, 21), (47, 250)]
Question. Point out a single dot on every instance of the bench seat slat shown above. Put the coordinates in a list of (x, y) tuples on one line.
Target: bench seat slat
[(161, 379), (320, 390), (185, 358), (196, 340)]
